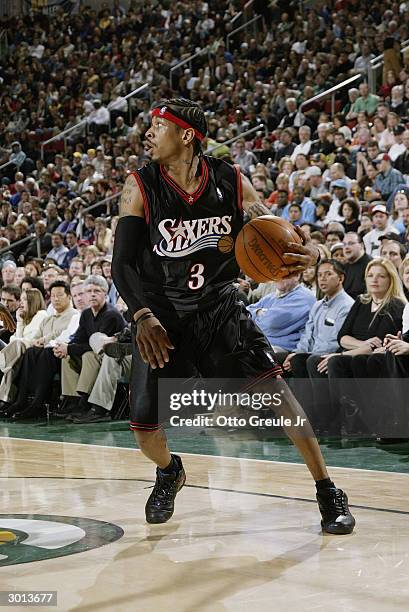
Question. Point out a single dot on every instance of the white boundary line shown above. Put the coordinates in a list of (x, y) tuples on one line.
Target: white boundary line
[(127, 448)]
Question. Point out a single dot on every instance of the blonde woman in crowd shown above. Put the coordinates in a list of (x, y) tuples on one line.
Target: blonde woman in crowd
[(375, 314), (103, 235), (404, 276), (91, 254)]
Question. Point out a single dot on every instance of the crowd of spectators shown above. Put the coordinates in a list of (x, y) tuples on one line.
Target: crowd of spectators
[(342, 176)]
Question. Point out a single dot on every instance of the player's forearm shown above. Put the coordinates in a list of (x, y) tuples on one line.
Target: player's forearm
[(129, 235)]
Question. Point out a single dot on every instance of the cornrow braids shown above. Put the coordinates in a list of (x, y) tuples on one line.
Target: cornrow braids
[(190, 112)]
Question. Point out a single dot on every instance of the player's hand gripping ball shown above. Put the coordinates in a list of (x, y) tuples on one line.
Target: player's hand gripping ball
[(262, 244)]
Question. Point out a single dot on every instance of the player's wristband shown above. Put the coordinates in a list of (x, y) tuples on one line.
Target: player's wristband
[(147, 315), (142, 315)]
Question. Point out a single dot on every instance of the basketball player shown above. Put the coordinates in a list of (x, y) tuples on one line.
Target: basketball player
[(174, 213)]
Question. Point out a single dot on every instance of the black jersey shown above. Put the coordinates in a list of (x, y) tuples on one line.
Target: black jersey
[(188, 259)]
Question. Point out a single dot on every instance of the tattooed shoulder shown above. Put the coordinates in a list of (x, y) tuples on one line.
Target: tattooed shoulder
[(128, 198)]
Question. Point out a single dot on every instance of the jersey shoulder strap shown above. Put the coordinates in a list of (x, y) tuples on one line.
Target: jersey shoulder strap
[(223, 171)]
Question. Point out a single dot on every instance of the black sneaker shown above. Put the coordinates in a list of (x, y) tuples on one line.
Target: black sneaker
[(118, 350), (67, 406), (161, 503), (95, 414), (336, 517), (81, 407)]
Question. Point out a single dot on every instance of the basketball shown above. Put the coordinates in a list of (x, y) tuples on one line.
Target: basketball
[(260, 246)]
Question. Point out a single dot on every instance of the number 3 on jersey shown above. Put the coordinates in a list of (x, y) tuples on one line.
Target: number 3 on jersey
[(196, 278)]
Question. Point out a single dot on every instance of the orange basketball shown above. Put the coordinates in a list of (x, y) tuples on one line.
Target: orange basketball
[(260, 246)]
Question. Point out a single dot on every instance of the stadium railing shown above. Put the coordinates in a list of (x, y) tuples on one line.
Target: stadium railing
[(241, 13), (207, 152), (331, 92), (22, 241), (372, 77), (101, 203), (231, 140), (375, 69), (84, 122), (245, 26), (5, 165), (187, 60)]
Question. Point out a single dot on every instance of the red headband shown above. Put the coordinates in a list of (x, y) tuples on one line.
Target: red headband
[(164, 113)]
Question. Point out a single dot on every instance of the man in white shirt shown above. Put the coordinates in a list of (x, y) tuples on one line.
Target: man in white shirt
[(380, 222), (99, 119), (304, 135), (398, 148), (363, 61), (313, 175)]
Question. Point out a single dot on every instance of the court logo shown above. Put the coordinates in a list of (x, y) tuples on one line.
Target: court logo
[(25, 538)]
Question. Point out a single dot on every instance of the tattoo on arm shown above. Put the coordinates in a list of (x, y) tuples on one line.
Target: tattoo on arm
[(126, 206)]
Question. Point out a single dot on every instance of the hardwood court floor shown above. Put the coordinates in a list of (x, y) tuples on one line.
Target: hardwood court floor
[(245, 534)]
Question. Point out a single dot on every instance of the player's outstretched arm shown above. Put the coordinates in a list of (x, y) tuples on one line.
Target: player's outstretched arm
[(151, 336), (301, 256)]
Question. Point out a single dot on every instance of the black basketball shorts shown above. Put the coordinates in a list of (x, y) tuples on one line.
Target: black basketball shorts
[(220, 342)]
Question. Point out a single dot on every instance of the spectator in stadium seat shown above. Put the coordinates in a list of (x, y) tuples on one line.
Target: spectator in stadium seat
[(398, 147), (373, 316), (392, 249), (52, 218), (388, 178), (71, 241), (17, 155), (10, 298), (45, 241), (68, 224), (99, 317), (103, 235), (304, 146), (59, 250), (320, 337), (8, 271), (39, 356), (380, 223), (99, 118), (322, 144), (307, 207), (402, 161), (365, 102), (282, 315), (334, 236), (29, 315), (245, 159), (287, 146), (349, 210), (356, 261), (116, 364)]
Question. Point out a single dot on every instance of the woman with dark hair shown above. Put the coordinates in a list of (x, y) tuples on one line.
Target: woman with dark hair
[(34, 267), (349, 209), (33, 282)]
